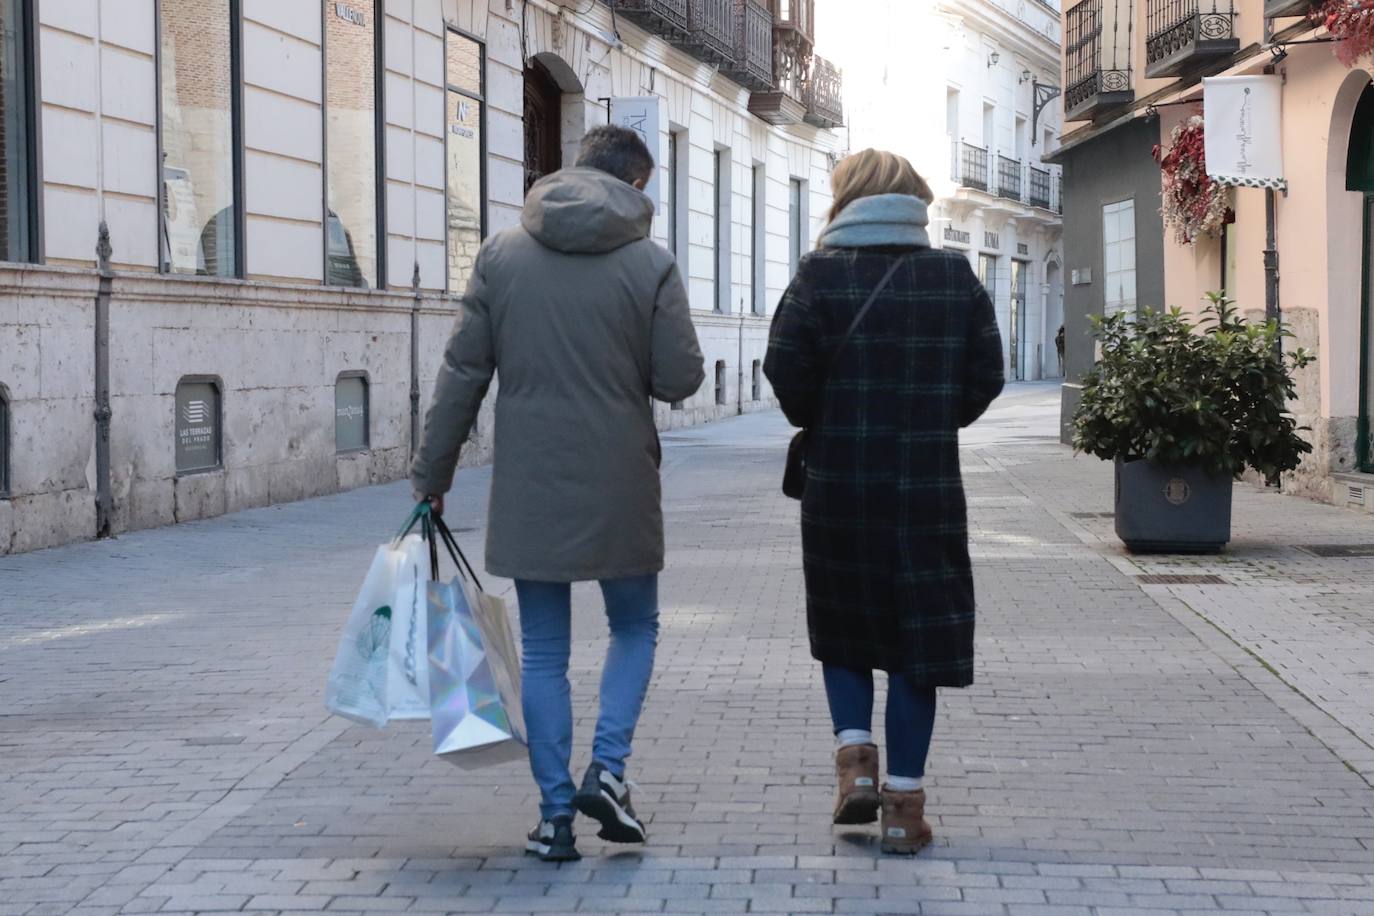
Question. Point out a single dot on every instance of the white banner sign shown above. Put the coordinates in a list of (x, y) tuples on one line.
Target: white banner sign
[(641, 115), (1243, 138)]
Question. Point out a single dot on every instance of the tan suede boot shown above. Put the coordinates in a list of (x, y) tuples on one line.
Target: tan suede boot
[(856, 767), (905, 829)]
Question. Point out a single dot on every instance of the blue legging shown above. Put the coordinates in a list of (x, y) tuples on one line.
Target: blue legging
[(910, 715)]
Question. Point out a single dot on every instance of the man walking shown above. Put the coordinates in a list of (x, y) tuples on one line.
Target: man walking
[(586, 320)]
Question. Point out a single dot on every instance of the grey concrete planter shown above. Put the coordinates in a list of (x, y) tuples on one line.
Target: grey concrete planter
[(1178, 509)]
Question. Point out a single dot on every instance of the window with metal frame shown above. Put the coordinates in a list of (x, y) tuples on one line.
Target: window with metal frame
[(19, 161), (353, 253), (720, 383), (465, 144), (758, 381)]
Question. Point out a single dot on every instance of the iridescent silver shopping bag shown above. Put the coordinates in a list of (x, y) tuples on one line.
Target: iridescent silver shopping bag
[(474, 675)]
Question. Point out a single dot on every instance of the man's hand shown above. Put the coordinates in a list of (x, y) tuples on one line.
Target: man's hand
[(436, 503)]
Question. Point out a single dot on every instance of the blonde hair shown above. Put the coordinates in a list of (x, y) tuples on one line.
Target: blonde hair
[(872, 172)]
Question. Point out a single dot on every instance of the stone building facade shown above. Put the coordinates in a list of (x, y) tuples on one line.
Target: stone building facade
[(279, 288), (973, 91)]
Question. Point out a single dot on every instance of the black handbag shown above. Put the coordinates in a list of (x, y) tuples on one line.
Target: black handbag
[(794, 474)]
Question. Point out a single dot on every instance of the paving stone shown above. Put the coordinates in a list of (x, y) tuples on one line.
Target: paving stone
[(1123, 750)]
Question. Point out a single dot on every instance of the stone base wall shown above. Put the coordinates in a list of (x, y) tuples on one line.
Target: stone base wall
[(276, 352)]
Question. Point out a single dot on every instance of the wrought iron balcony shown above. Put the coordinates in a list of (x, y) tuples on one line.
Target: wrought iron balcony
[(752, 66), (1059, 194), (666, 18), (1039, 188), (1098, 70), (1008, 178), (823, 93), (711, 30), (973, 166), (793, 22), (1184, 36), (796, 16), (1279, 9)]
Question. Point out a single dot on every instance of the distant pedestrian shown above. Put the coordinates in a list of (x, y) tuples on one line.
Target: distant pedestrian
[(884, 529), (585, 319), (1059, 348)]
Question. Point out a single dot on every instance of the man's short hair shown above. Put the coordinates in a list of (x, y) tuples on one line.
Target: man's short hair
[(617, 150)]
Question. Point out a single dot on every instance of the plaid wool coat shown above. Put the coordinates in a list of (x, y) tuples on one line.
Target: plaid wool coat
[(884, 524)]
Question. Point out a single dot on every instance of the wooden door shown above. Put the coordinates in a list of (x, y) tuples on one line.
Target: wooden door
[(543, 125)]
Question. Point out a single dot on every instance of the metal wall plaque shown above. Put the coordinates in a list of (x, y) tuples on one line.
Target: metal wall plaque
[(992, 240), (198, 436), (350, 414), (959, 236)]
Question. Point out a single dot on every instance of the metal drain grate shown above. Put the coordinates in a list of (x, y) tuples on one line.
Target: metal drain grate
[(1092, 515), (1180, 579), (1353, 551)]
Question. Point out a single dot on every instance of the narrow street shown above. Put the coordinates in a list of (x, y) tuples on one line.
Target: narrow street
[(1131, 746)]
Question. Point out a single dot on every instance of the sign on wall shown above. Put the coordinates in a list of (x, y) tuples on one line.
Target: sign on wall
[(197, 427), (642, 114), (1244, 145), (350, 414)]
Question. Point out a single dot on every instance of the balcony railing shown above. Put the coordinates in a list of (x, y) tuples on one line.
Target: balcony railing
[(711, 30), (1039, 188), (752, 66), (667, 18), (973, 167), (1098, 77), (1008, 178), (796, 16), (823, 93), (1059, 194), (1185, 35), (784, 103)]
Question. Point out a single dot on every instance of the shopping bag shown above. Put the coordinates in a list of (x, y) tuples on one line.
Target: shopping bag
[(360, 679), (474, 671), (407, 673)]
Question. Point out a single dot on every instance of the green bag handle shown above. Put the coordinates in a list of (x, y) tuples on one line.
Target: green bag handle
[(434, 529)]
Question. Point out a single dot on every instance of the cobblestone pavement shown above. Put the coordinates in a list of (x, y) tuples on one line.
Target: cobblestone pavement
[(1127, 749)]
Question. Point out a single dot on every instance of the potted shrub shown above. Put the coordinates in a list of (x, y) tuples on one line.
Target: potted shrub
[(1183, 407)]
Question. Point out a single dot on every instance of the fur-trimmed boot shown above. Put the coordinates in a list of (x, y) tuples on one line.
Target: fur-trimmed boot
[(856, 767), (905, 828)]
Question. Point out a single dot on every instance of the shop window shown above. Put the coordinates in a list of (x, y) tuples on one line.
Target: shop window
[(352, 111), (796, 222), (720, 383), (465, 142), (199, 442), (758, 248), (678, 149), (1118, 258), (352, 413), (723, 248), (4, 443), (758, 380), (18, 134)]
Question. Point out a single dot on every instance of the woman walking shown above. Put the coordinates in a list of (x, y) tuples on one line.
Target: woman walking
[(882, 349)]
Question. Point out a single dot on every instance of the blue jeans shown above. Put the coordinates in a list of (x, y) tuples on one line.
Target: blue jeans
[(546, 632), (910, 715)]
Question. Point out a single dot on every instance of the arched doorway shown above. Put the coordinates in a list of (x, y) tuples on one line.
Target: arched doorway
[(1359, 176), (1054, 320), (543, 124)]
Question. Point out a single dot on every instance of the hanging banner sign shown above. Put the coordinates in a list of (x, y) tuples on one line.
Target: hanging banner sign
[(1244, 145), (641, 115)]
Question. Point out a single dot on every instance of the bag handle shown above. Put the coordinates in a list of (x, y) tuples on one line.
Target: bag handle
[(459, 558), (433, 529)]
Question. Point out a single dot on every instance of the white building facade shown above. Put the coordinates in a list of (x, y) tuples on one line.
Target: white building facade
[(964, 90), (294, 194)]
